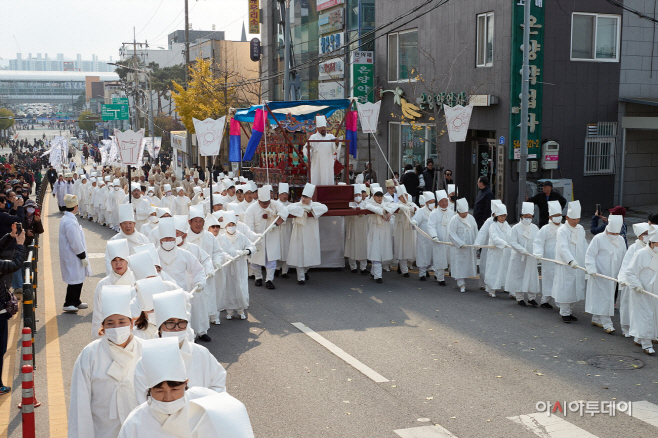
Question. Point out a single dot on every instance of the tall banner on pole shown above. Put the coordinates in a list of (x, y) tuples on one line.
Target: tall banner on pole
[(457, 121), (369, 116), (209, 135), (152, 144), (129, 143)]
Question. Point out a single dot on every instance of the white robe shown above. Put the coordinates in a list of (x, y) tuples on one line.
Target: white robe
[(141, 209), (235, 295), (356, 234), (437, 226), (624, 291), (603, 256), (97, 315), (642, 273), (207, 242), (71, 243), (102, 392), (200, 301), (322, 158), (134, 240), (424, 246), (271, 243), (167, 202), (464, 259), (285, 231), (380, 233), (404, 235), (544, 246), (59, 189), (202, 368), (522, 274), (570, 244), (181, 205), (304, 248), (481, 240), (147, 228), (115, 198), (498, 257)]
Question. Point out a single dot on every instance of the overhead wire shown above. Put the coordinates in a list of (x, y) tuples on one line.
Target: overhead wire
[(147, 23)]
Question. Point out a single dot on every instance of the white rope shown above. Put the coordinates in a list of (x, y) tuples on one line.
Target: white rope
[(255, 242)]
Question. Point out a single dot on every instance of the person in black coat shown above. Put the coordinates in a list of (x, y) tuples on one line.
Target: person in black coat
[(482, 207), (51, 176), (410, 181), (428, 176), (541, 201)]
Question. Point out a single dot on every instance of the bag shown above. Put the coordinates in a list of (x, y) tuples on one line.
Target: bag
[(338, 167), (11, 305)]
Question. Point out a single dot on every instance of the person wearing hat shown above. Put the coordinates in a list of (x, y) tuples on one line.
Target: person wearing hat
[(197, 235), (482, 240), (114, 199), (234, 297), (128, 232), (181, 204), (153, 235), (95, 200), (81, 194), (522, 274), (323, 147), (197, 195), (152, 193), (380, 234), (72, 255), (248, 200), (404, 234), (121, 274), (642, 232), (186, 270), (140, 203), (499, 256), (59, 191), (88, 199), (544, 247), (597, 227), (212, 225), (463, 230), (145, 324), (101, 200), (640, 276), (356, 233), (570, 248), (149, 267), (390, 190), (437, 226), (170, 409), (304, 250), (151, 223), (167, 201), (604, 256), (424, 250), (541, 201), (102, 390), (258, 218), (171, 321)]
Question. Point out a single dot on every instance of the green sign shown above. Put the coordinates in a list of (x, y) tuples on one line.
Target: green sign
[(537, 26), (115, 112), (362, 76), (120, 100)]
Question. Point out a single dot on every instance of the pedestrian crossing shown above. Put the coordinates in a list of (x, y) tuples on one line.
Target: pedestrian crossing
[(543, 425)]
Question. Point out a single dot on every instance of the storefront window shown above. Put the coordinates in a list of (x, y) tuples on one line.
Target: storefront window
[(409, 145)]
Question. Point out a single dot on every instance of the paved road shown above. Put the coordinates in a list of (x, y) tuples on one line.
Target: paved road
[(426, 355)]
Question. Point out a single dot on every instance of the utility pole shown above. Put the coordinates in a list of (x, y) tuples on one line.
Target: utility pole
[(188, 139), (151, 133), (525, 94), (285, 10), (136, 80)]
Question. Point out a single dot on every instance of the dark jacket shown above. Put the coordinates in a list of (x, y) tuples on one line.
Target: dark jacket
[(410, 181), (596, 228), (51, 175), (8, 267), (482, 207), (541, 201), (428, 176)]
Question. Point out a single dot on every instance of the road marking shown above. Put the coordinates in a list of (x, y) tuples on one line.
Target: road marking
[(645, 411), (435, 431), (550, 427), (56, 398), (376, 300), (358, 290), (8, 370), (369, 372)]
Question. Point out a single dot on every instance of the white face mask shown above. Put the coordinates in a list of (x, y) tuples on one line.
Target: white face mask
[(168, 246), (612, 236), (30, 210), (117, 188), (655, 249), (182, 335), (430, 206), (644, 239), (357, 199), (179, 240), (526, 221), (168, 408), (118, 335), (154, 219), (231, 230), (557, 219), (168, 193), (151, 317)]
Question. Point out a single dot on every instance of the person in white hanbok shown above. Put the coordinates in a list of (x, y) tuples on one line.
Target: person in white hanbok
[(483, 240), (235, 296), (98, 200), (81, 194), (145, 324), (152, 197), (544, 247), (154, 236), (424, 249), (498, 257), (141, 205), (304, 250), (570, 248), (356, 232), (151, 223), (181, 204), (258, 217), (323, 147), (128, 232), (90, 198), (285, 229), (404, 235), (73, 259), (642, 232), (102, 392), (641, 276), (59, 191), (167, 201), (522, 275), (604, 256), (121, 274), (173, 410), (380, 234), (463, 230), (437, 226)]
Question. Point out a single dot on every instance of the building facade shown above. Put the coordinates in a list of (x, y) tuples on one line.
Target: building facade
[(45, 63)]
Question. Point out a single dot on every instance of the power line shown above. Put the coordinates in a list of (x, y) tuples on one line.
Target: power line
[(632, 11), (147, 23)]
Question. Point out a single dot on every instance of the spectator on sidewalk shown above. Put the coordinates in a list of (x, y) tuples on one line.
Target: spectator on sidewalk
[(410, 181), (482, 207), (428, 176), (541, 201), (597, 227)]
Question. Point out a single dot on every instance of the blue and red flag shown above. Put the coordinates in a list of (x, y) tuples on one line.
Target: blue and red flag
[(257, 130), (235, 143), (351, 130)]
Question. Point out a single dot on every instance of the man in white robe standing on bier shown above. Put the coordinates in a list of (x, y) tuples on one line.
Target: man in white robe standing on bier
[(322, 153)]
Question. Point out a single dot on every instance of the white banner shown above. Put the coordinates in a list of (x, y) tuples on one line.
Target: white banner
[(129, 143), (152, 144), (457, 120), (368, 116), (209, 134)]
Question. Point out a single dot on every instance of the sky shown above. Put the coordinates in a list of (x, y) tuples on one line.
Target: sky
[(100, 26)]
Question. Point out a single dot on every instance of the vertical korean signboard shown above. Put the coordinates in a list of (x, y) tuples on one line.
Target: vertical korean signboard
[(537, 27), (254, 16), (362, 75)]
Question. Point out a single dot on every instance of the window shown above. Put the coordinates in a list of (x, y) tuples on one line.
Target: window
[(485, 32), (600, 155), (402, 55), (595, 37), (410, 145)]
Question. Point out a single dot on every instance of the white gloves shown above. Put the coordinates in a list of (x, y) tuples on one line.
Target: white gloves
[(244, 252), (573, 264), (623, 284), (537, 256), (85, 262), (592, 273), (414, 222), (218, 267), (198, 288), (435, 239), (210, 274)]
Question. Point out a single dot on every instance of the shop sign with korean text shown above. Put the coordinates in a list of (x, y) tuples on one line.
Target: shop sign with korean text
[(331, 90), (537, 27), (331, 43), (362, 75), (331, 21), (332, 69), (254, 16), (326, 4)]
